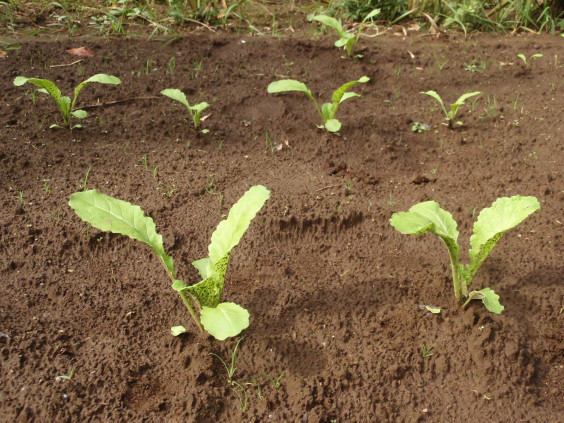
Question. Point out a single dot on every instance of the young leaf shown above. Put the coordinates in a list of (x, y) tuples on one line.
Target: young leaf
[(332, 23), (117, 216), (332, 125), (209, 291), (229, 231), (101, 78), (285, 85), (177, 95), (437, 97), (337, 97), (489, 298), (177, 330), (466, 96), (493, 222), (225, 320), (424, 217)]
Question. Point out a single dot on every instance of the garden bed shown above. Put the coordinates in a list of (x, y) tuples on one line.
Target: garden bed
[(334, 292)]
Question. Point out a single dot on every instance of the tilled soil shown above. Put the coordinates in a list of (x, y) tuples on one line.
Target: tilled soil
[(336, 295)]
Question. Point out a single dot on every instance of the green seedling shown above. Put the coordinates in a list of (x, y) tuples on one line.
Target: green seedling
[(231, 369), (221, 320), (426, 351), (66, 107), (195, 111), (276, 382), (451, 115), (66, 377), (346, 40), (328, 110), (492, 223), (528, 61)]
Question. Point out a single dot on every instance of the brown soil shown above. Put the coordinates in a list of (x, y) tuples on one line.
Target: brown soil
[(333, 290)]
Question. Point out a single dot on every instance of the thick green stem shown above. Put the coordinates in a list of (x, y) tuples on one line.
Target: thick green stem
[(455, 274), (191, 310)]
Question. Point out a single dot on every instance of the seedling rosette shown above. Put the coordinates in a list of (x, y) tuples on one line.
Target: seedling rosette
[(195, 111), (328, 110), (219, 319), (450, 115), (492, 223), (66, 107)]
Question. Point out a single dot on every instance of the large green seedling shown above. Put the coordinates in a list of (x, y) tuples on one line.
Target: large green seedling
[(451, 114), (492, 223), (346, 40), (328, 110), (66, 107), (221, 320), (195, 111)]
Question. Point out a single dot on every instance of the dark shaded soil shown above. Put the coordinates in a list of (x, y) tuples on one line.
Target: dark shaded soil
[(333, 290)]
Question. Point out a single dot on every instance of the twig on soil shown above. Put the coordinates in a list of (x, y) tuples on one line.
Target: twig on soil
[(327, 187), (64, 65), (112, 103)]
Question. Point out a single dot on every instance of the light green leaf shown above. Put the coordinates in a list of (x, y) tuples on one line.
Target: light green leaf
[(423, 217), (434, 310), (229, 231), (489, 298), (372, 14), (177, 95), (493, 222), (338, 94), (177, 330), (81, 114), (330, 22), (437, 97), (346, 96), (333, 125), (204, 267), (200, 107), (110, 214), (225, 320), (209, 291), (178, 285), (466, 96), (285, 85), (101, 78)]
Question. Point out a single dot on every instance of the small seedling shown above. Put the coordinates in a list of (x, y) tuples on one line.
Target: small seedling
[(328, 110), (276, 382), (220, 320), (419, 127), (243, 399), (492, 223), (66, 377), (426, 351), (347, 40), (195, 111), (20, 197), (528, 61), (451, 115), (66, 107)]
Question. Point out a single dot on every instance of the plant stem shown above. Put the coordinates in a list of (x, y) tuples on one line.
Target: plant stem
[(190, 309), (454, 266)]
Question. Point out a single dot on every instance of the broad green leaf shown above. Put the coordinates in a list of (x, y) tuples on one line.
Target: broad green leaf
[(333, 125), (493, 222), (522, 57), (229, 231), (81, 114), (110, 214), (177, 95), (101, 78), (338, 94), (489, 298), (204, 267), (209, 291), (466, 96), (330, 22), (177, 330), (200, 107), (346, 96), (225, 320), (423, 217), (285, 85), (45, 85), (437, 97), (327, 111)]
